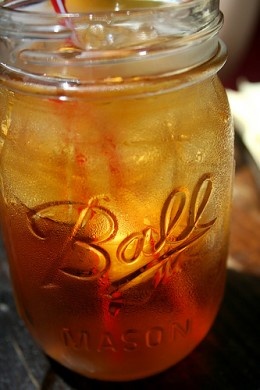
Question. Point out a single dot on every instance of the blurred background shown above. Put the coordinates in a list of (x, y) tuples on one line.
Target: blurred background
[(241, 77), (241, 33)]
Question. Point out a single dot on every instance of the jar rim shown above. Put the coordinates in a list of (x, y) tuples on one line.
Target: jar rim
[(30, 6), (185, 17), (183, 34)]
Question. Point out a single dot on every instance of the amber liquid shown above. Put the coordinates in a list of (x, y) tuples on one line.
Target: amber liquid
[(115, 214)]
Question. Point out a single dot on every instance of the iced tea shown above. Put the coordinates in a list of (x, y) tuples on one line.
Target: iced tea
[(115, 209)]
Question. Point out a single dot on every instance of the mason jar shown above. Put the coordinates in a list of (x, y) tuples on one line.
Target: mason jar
[(116, 171)]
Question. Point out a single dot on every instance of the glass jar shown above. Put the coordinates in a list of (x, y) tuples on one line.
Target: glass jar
[(116, 179)]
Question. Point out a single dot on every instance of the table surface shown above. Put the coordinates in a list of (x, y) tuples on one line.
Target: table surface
[(228, 358)]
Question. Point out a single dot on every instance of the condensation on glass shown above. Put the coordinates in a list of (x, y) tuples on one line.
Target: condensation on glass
[(116, 169)]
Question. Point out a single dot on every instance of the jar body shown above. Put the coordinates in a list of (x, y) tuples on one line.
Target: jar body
[(116, 220), (115, 207)]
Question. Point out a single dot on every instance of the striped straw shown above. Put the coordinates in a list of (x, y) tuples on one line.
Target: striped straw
[(59, 6)]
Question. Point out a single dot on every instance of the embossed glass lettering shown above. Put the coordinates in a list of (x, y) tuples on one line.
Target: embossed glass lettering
[(153, 337), (78, 341), (129, 340), (107, 343), (155, 250), (181, 330)]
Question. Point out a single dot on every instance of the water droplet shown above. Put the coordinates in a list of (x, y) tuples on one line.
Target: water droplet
[(199, 156)]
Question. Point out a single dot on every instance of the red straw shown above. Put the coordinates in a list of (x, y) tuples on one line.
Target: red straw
[(59, 6)]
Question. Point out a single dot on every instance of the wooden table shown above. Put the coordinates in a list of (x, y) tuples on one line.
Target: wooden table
[(228, 358)]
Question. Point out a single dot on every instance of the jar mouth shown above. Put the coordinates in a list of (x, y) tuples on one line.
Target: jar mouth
[(137, 24), (35, 39), (121, 6)]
